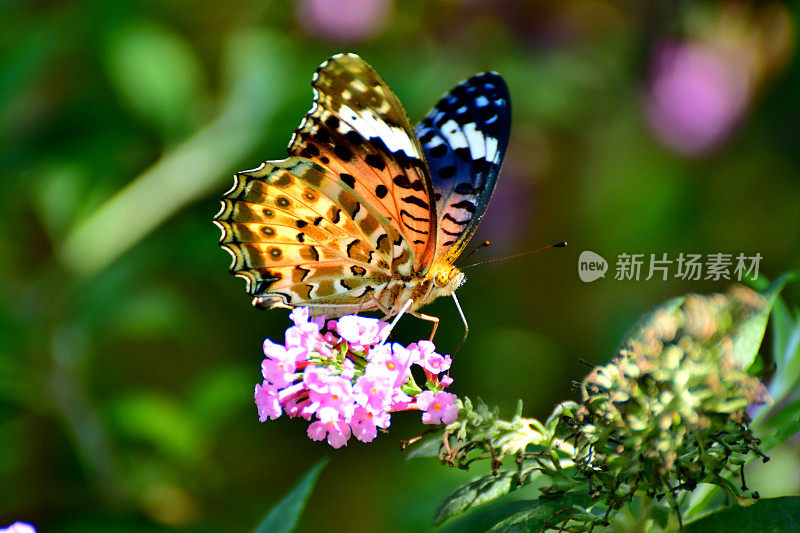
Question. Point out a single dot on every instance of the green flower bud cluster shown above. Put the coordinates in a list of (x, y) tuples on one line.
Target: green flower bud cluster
[(669, 411)]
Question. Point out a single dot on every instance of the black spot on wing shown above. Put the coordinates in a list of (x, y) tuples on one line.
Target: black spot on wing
[(451, 233), (332, 122), (419, 202), (375, 161), (310, 150), (405, 216), (447, 172), (448, 216), (403, 182), (353, 137), (465, 205), (343, 152), (467, 189), (438, 151), (349, 180)]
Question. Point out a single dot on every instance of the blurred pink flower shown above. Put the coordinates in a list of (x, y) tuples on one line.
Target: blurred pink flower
[(696, 97), (343, 20)]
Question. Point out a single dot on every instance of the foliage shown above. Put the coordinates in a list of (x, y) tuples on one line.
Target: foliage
[(665, 418), (283, 517)]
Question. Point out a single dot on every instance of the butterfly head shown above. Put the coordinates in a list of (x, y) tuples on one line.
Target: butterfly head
[(448, 279)]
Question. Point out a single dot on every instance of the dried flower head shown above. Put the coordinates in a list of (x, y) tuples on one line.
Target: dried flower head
[(669, 411)]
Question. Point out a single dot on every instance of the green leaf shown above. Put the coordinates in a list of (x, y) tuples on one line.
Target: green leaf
[(481, 520), (283, 517), (429, 448), (788, 362), (772, 515), (750, 334), (540, 514), (785, 349), (782, 322), (780, 426), (480, 491)]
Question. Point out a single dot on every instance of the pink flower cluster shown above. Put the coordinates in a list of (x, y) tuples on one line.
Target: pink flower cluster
[(341, 374)]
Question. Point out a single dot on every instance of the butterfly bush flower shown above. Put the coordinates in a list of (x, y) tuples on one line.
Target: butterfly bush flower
[(343, 378)]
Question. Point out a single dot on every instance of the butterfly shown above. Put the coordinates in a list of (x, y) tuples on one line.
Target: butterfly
[(367, 212)]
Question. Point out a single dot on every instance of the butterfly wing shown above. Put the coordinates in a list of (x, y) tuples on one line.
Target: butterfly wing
[(299, 236), (358, 130), (464, 138)]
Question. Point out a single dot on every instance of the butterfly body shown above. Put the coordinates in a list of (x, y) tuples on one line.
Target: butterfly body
[(366, 214)]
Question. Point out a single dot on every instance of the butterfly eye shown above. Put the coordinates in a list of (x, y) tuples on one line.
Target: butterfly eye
[(441, 279)]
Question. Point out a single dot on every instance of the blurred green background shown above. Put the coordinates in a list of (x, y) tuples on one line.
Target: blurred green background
[(128, 354)]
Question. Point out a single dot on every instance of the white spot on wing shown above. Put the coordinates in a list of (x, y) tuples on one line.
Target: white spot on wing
[(455, 137), (491, 148), (476, 140), (481, 101), (370, 125), (436, 141)]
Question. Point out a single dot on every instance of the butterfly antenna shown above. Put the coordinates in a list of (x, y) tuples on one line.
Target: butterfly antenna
[(484, 244), (556, 245), (463, 319)]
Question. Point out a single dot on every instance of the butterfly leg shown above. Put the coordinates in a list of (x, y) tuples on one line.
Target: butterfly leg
[(429, 318), (379, 305)]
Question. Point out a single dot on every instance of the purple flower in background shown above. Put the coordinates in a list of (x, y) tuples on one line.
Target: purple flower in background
[(343, 20), (18, 527), (696, 97), (343, 378)]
